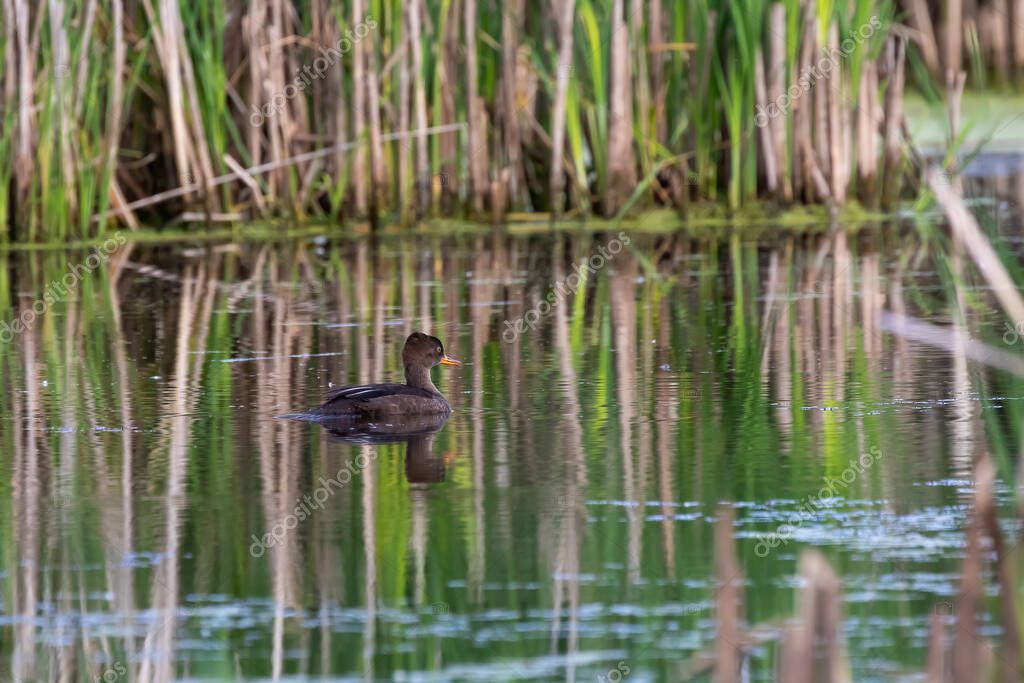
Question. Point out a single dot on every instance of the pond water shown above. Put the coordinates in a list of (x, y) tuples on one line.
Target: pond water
[(158, 522)]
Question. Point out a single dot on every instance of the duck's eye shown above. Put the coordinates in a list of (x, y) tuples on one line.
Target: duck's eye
[(439, 351)]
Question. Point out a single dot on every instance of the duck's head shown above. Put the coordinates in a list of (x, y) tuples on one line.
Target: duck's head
[(422, 350)]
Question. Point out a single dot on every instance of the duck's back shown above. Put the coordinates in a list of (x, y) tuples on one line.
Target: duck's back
[(381, 400)]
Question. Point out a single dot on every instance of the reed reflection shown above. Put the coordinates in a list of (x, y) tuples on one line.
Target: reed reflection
[(422, 464), (578, 470)]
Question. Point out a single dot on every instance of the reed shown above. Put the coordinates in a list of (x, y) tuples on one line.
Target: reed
[(986, 39), (117, 114)]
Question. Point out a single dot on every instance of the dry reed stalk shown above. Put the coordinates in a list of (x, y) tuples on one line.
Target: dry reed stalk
[(121, 205), (966, 647), (815, 649), (659, 87), (802, 145), (405, 182), (447, 76), (966, 229), (319, 34), (1010, 654), (299, 113), (339, 130), (794, 655), (203, 162), (191, 154), (413, 10), (776, 87), (995, 37), (952, 34), (257, 67), (728, 600), (942, 338), (1003, 34), (895, 59), (26, 95), (679, 186), (482, 158), (640, 80), (295, 124), (61, 55), (113, 132), (359, 174), (816, 177), (938, 660), (330, 105), (558, 112), (837, 121), (621, 163), (765, 133), (166, 48), (920, 20), (847, 141), (10, 77), (511, 13), (813, 137), (475, 139), (499, 196), (250, 182), (822, 607), (867, 132), (527, 84), (1016, 26), (819, 93), (277, 182), (378, 170)]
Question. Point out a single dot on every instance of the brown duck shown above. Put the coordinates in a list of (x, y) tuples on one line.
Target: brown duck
[(418, 396)]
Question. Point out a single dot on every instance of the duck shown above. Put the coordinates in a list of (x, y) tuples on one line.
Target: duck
[(418, 396)]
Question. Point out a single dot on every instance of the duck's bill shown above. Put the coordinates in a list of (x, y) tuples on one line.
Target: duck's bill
[(445, 360)]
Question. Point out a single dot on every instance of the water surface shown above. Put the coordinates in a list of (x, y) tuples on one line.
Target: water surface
[(158, 522)]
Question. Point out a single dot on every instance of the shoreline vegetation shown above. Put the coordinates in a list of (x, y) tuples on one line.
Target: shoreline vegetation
[(116, 114), (702, 220)]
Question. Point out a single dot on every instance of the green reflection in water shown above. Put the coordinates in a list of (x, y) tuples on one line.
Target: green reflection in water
[(558, 525)]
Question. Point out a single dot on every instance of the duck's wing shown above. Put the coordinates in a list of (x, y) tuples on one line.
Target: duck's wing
[(365, 392), (407, 428)]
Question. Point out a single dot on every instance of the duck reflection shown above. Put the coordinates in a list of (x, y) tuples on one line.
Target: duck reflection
[(422, 465)]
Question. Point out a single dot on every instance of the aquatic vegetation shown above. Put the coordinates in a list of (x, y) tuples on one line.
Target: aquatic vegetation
[(216, 111)]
